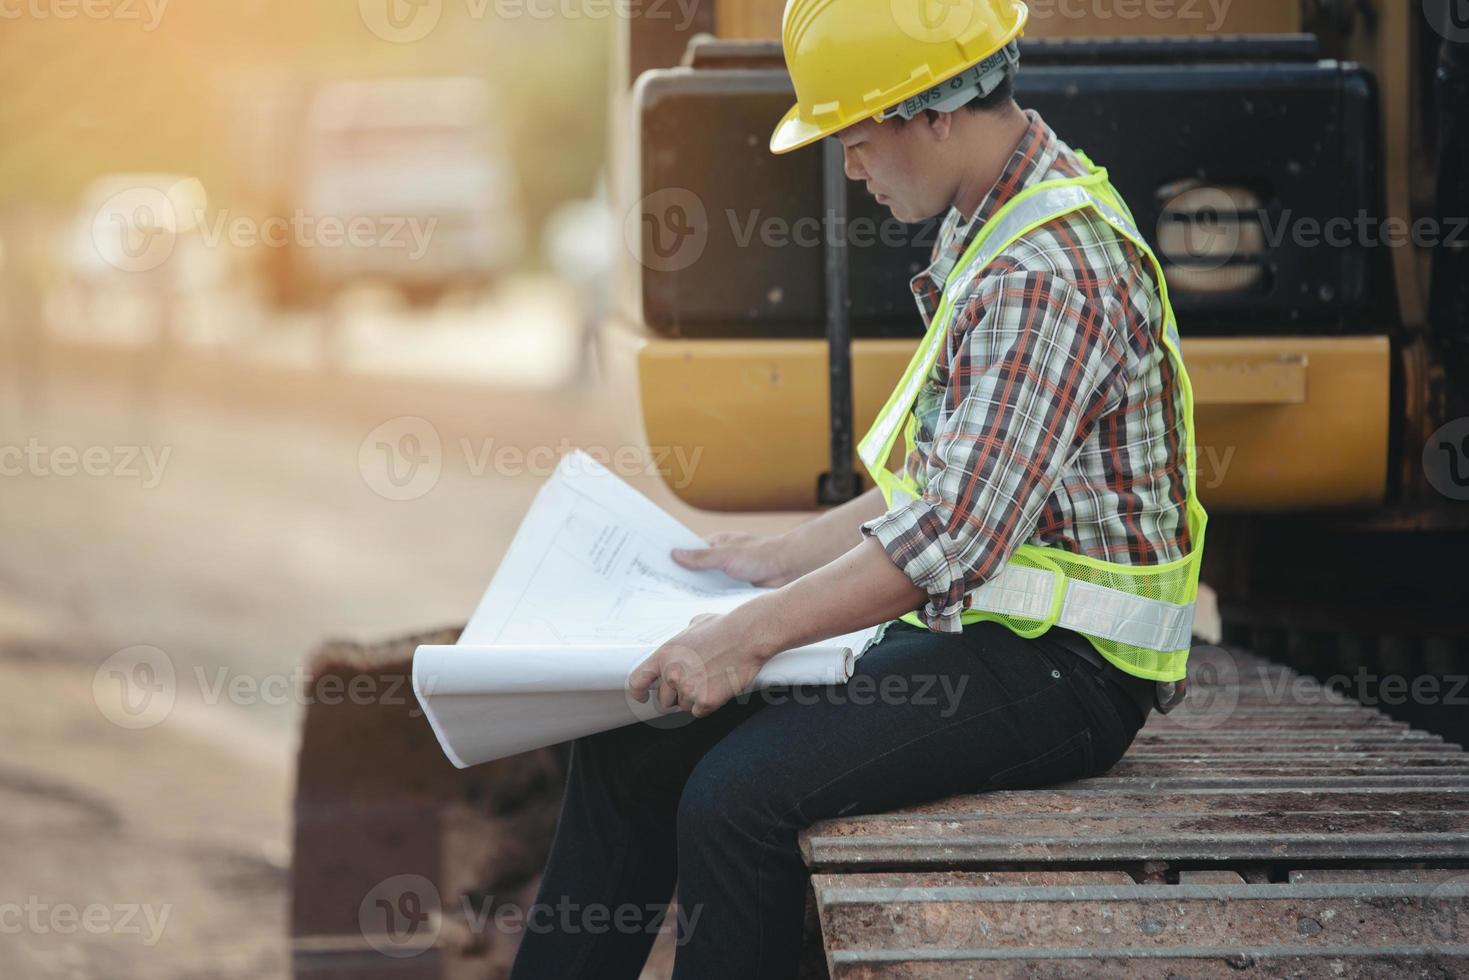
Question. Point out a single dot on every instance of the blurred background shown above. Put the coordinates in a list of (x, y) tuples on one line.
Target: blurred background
[(238, 239)]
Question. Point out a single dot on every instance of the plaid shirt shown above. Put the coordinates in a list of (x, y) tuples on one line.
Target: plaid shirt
[(1050, 415)]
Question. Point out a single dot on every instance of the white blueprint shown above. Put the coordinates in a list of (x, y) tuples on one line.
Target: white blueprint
[(585, 593)]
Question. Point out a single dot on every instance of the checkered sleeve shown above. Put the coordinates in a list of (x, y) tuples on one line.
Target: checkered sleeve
[(1033, 365)]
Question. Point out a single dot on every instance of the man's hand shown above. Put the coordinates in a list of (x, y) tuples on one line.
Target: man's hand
[(746, 557), (700, 669)]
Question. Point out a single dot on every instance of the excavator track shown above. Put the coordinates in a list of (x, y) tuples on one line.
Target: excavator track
[(1269, 827)]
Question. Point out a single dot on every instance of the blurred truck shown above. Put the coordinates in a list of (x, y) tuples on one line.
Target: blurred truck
[(402, 181)]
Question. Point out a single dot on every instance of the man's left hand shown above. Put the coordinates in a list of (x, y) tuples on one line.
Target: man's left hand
[(700, 669)]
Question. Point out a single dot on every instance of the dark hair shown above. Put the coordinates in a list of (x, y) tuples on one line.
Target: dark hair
[(998, 99), (1003, 93)]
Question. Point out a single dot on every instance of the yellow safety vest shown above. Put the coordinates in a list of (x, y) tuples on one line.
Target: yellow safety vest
[(1140, 617)]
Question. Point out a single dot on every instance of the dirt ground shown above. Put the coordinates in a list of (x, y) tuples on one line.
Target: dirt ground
[(150, 838)]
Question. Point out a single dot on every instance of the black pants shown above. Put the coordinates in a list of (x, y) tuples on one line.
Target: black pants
[(717, 802)]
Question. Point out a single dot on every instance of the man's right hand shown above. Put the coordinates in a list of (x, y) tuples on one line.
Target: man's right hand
[(747, 557)]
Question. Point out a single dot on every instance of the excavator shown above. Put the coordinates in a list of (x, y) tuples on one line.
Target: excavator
[(1300, 169)]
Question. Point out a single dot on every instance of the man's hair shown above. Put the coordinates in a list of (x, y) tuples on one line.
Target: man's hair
[(996, 100)]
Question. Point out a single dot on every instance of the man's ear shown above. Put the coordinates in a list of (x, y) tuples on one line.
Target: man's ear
[(941, 123)]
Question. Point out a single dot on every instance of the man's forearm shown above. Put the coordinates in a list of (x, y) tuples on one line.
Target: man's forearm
[(830, 535), (859, 589)]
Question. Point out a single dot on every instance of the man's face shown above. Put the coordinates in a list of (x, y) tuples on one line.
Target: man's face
[(896, 162)]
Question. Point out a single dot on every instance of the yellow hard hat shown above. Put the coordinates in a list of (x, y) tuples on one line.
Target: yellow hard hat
[(855, 59)]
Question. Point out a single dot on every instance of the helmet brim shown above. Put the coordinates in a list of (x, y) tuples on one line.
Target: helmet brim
[(793, 132)]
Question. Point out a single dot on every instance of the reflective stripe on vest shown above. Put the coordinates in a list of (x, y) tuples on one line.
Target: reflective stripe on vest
[(1091, 609), (1018, 590)]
